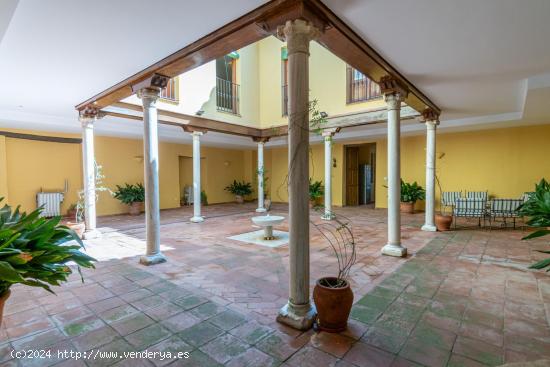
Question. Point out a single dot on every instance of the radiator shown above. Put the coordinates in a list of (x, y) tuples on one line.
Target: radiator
[(51, 201)]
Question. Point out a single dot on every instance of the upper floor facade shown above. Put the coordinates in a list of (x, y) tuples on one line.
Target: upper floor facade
[(250, 87)]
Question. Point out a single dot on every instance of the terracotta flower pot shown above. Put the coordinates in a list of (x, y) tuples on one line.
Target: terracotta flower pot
[(136, 208), (71, 213), (267, 203), (407, 208), (443, 222), (333, 305), (239, 199), (78, 227), (3, 298)]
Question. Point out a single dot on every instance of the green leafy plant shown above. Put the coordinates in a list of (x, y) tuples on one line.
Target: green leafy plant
[(537, 209), (80, 204), (130, 193), (35, 251), (411, 193), (315, 189), (239, 188), (204, 198)]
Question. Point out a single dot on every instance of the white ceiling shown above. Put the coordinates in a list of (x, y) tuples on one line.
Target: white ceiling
[(484, 63)]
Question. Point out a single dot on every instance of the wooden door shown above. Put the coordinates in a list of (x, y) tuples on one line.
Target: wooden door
[(352, 175)]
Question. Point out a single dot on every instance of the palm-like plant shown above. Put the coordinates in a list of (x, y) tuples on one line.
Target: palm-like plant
[(35, 251), (411, 193), (129, 193), (315, 189), (537, 209)]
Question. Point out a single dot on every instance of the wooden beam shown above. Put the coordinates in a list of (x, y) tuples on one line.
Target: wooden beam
[(336, 36), (51, 139), (181, 120), (233, 36)]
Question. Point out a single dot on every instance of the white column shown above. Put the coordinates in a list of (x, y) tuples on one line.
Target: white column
[(149, 98), (299, 312), (197, 218), (261, 208), (88, 159), (393, 247), (429, 224), (328, 134)]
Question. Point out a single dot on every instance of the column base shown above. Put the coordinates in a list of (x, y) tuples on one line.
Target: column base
[(328, 216), (429, 228), (152, 259), (261, 210), (394, 250), (91, 234), (299, 317), (197, 219)]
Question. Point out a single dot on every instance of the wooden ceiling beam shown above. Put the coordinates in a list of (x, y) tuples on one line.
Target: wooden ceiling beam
[(336, 36)]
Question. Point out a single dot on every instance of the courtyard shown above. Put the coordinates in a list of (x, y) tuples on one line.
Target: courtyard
[(460, 298)]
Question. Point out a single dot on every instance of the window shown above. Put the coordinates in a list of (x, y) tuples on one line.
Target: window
[(227, 90), (360, 88), (171, 92), (284, 81)]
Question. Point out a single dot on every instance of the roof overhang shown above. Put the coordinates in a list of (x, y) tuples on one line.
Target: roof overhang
[(336, 36)]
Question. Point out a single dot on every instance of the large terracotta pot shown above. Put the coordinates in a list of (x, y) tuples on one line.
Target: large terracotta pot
[(333, 305), (136, 208), (407, 208), (3, 299), (443, 222), (239, 199), (78, 227)]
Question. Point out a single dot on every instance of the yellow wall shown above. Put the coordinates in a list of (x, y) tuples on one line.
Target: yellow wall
[(506, 162), (3, 170), (26, 166), (32, 165)]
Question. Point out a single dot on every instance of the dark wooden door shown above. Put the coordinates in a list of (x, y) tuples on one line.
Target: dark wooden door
[(352, 176)]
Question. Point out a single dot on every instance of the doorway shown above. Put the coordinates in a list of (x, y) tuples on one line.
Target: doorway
[(360, 174)]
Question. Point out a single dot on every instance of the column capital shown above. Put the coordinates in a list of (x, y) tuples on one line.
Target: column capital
[(153, 82), (89, 115), (297, 34), (393, 89), (330, 132), (260, 139), (194, 130), (430, 117)]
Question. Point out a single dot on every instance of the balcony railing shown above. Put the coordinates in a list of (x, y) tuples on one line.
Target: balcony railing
[(284, 99), (227, 96), (170, 93), (361, 89)]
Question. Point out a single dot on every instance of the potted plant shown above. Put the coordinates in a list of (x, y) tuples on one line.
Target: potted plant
[(35, 251), (77, 215), (442, 221), (204, 198), (537, 209), (410, 194), (240, 190), (315, 192), (332, 295), (71, 212), (132, 195)]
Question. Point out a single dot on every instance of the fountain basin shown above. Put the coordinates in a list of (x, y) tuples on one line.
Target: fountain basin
[(267, 222)]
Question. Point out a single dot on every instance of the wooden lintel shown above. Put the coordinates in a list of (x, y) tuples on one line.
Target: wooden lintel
[(51, 139), (336, 36)]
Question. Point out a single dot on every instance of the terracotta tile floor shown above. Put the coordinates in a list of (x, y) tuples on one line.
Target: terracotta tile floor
[(462, 298)]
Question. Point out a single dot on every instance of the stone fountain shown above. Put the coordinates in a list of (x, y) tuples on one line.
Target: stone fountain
[(267, 222)]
